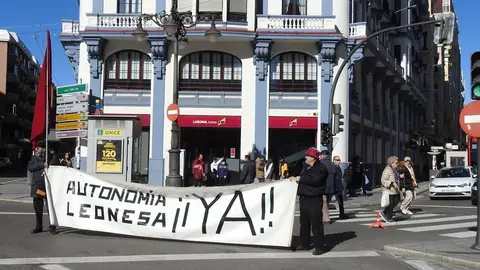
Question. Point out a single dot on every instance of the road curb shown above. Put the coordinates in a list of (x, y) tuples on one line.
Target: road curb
[(431, 256), (14, 200)]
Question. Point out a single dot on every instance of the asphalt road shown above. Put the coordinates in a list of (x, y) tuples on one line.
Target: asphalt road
[(355, 245)]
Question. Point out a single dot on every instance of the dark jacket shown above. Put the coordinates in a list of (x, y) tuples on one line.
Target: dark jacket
[(332, 171), (313, 180), (248, 172), (338, 186), (36, 167), (406, 182), (222, 170)]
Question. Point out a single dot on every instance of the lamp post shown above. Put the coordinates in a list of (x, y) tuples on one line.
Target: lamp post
[(175, 25)]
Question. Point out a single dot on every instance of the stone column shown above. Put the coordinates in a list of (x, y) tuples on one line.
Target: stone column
[(156, 164), (94, 48), (261, 99)]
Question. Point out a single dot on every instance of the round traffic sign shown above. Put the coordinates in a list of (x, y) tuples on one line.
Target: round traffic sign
[(470, 119), (173, 111)]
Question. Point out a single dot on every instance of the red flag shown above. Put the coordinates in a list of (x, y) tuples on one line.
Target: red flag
[(40, 118)]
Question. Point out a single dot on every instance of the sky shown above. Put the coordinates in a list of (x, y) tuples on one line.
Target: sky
[(31, 18)]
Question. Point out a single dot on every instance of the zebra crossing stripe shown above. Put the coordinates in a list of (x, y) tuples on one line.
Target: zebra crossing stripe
[(462, 235), (431, 228), (428, 221), (346, 210), (372, 220)]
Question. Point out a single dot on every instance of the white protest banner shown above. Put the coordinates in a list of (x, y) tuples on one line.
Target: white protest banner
[(255, 214)]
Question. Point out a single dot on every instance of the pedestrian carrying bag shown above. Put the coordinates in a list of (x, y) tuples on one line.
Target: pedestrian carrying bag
[(385, 200)]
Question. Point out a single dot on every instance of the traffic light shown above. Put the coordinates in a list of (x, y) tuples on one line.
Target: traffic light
[(337, 119), (475, 75), (326, 134)]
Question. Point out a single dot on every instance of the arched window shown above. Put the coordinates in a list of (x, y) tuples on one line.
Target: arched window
[(210, 71), (130, 70), (293, 72)]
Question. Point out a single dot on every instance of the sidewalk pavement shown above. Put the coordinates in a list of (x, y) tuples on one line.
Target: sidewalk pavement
[(19, 191), (15, 191), (376, 194), (453, 252)]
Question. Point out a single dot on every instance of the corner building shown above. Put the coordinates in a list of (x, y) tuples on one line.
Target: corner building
[(264, 85)]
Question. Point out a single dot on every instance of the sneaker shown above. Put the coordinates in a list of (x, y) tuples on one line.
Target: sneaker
[(404, 212), (409, 212), (382, 215)]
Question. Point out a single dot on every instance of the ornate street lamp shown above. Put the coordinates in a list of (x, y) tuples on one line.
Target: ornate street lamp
[(175, 25)]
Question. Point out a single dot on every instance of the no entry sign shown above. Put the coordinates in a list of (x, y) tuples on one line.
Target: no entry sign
[(173, 111), (470, 119)]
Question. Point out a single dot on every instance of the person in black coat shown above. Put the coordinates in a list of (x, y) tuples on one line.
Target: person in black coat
[(37, 166), (311, 187), (338, 188), (247, 176)]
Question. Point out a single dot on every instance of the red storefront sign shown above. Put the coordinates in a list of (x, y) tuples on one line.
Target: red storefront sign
[(232, 152), (211, 121), (293, 122)]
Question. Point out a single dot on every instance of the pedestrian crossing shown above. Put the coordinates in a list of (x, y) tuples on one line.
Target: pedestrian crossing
[(461, 227)]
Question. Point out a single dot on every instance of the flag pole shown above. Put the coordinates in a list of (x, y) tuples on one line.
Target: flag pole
[(47, 90)]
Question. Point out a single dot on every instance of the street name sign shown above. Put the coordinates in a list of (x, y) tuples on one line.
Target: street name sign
[(71, 117), (71, 125), (71, 134), (72, 108), (72, 98), (470, 119), (72, 89)]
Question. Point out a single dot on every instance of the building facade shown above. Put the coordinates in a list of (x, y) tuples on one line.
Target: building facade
[(449, 85), (19, 72), (265, 84)]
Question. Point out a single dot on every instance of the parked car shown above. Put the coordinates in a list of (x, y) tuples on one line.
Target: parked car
[(474, 193), (5, 163), (453, 182)]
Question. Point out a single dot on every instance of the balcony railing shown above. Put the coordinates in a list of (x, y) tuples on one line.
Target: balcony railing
[(273, 23), (361, 30), (127, 21), (70, 27)]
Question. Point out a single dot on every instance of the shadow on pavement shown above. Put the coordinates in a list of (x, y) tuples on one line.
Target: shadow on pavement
[(332, 240)]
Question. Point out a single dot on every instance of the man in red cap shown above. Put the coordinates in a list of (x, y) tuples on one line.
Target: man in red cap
[(311, 188)]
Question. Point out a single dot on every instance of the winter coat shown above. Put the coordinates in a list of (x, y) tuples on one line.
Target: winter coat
[(37, 167)]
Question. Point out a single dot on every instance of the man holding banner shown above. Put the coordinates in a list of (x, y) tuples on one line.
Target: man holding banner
[(311, 188)]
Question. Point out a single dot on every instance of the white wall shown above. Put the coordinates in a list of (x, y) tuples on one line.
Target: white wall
[(85, 6), (109, 6)]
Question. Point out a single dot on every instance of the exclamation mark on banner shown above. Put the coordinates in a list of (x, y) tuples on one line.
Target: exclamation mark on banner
[(264, 207)]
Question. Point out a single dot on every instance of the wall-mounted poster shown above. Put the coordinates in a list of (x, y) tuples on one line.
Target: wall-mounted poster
[(109, 156)]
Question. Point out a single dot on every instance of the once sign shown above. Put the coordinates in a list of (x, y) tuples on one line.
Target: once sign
[(470, 119), (110, 132), (255, 214)]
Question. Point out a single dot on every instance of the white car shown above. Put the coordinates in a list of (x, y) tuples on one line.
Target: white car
[(453, 182)]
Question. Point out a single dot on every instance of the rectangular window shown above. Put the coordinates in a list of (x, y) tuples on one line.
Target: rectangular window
[(259, 4), (129, 6), (123, 66), (237, 10), (134, 65), (210, 6), (294, 7), (184, 6), (397, 53)]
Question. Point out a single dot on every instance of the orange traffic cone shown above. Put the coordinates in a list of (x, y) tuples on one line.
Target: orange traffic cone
[(378, 223)]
